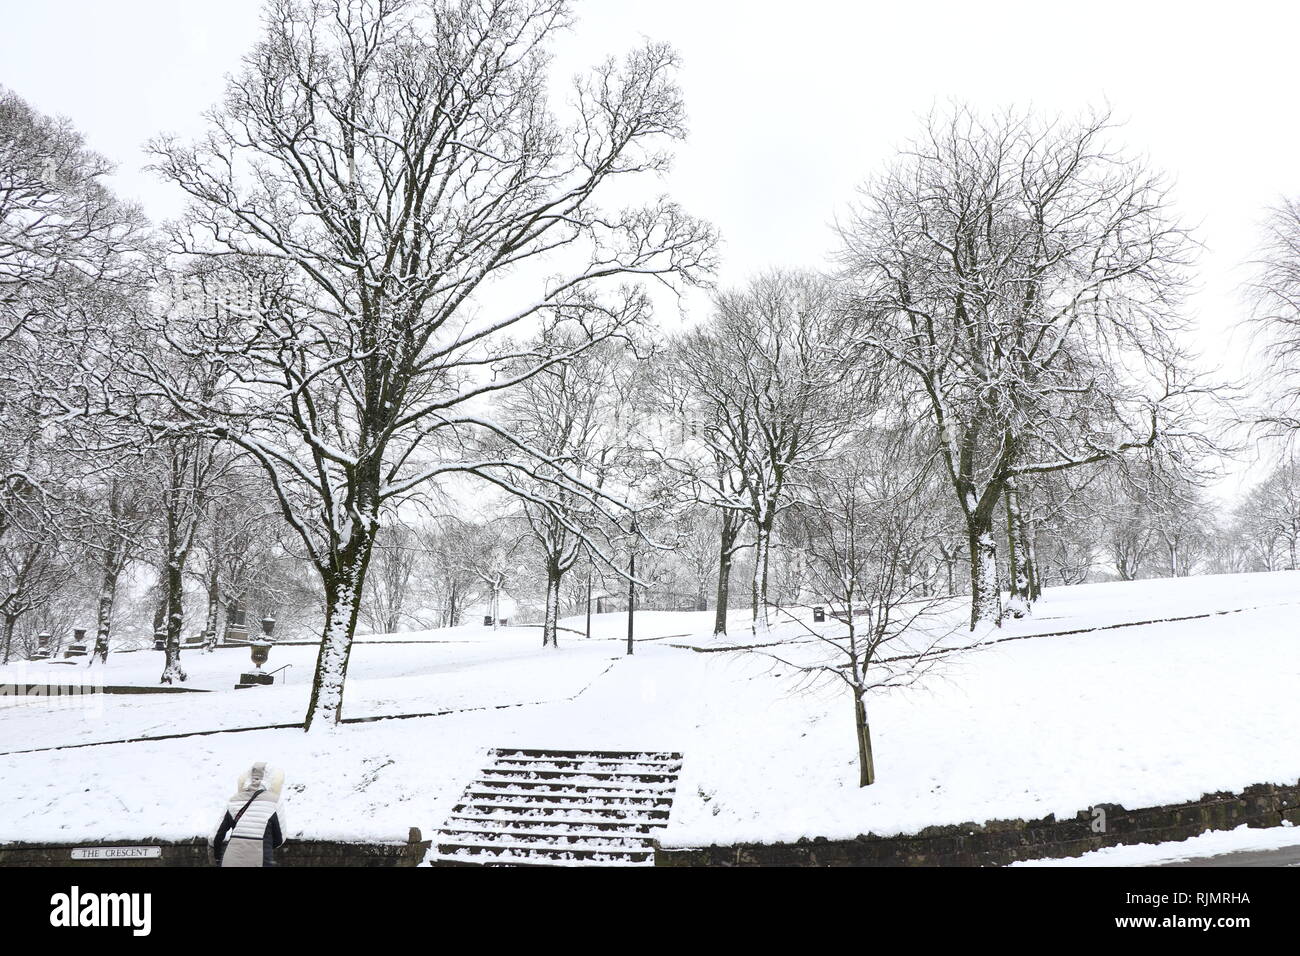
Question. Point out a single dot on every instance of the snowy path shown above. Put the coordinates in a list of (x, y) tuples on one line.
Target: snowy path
[(428, 679)]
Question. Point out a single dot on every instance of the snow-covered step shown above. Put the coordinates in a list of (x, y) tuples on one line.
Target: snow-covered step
[(584, 813), (552, 825), (559, 801), (574, 775), (619, 755), (542, 770), (577, 791), (493, 856), (561, 808), (598, 763), (543, 849), (557, 839)]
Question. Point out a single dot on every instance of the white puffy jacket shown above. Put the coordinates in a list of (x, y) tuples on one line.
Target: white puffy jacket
[(253, 825)]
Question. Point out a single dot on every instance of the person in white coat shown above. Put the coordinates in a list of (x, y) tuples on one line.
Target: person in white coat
[(253, 825)]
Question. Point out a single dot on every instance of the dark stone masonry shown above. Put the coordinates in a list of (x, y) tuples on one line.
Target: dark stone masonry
[(994, 843), (195, 852), (999, 842)]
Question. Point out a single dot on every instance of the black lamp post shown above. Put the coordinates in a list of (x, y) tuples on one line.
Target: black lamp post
[(631, 590)]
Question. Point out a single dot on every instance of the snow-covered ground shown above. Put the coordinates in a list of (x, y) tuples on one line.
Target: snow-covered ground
[(1141, 715)]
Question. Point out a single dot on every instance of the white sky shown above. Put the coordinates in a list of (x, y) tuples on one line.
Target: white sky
[(791, 104)]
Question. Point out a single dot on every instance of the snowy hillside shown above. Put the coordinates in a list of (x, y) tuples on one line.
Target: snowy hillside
[(1170, 689)]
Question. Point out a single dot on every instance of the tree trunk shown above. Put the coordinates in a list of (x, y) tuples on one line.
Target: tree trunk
[(453, 612), (1031, 555), (762, 545), (866, 762), (211, 620), (10, 621), (1020, 600), (343, 582), (985, 596), (172, 669), (104, 610), (550, 621), (160, 609), (726, 552)]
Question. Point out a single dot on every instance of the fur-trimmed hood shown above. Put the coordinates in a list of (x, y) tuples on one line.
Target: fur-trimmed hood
[(260, 777)]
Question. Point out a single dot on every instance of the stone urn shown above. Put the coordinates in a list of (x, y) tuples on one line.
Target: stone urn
[(261, 648)]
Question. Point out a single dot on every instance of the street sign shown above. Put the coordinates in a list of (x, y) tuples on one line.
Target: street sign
[(116, 852)]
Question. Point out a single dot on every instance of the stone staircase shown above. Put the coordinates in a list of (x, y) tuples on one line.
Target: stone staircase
[(561, 808)]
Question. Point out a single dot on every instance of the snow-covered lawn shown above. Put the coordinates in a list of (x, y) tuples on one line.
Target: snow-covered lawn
[(1139, 715)]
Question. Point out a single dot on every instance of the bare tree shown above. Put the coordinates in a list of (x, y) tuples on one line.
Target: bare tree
[(495, 558), (60, 227), (864, 526), (238, 542), (699, 465), (185, 464), (576, 416), (1269, 515), (116, 535), (32, 571), (763, 391), (67, 262), (1275, 289), (448, 544), (1028, 278), (379, 169), (386, 600)]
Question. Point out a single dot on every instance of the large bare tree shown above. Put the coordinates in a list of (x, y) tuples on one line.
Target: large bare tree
[(67, 259), (1275, 289), (391, 180), (1029, 278)]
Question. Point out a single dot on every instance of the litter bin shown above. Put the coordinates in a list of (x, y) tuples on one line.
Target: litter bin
[(819, 615)]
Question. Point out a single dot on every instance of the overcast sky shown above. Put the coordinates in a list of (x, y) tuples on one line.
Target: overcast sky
[(791, 104)]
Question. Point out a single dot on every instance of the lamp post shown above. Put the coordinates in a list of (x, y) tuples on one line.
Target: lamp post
[(631, 590)]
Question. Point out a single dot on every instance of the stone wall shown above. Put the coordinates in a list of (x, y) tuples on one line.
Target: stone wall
[(998, 842), (195, 852)]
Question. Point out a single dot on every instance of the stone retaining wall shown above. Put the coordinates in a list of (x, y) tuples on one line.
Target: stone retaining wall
[(195, 852), (998, 842)]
